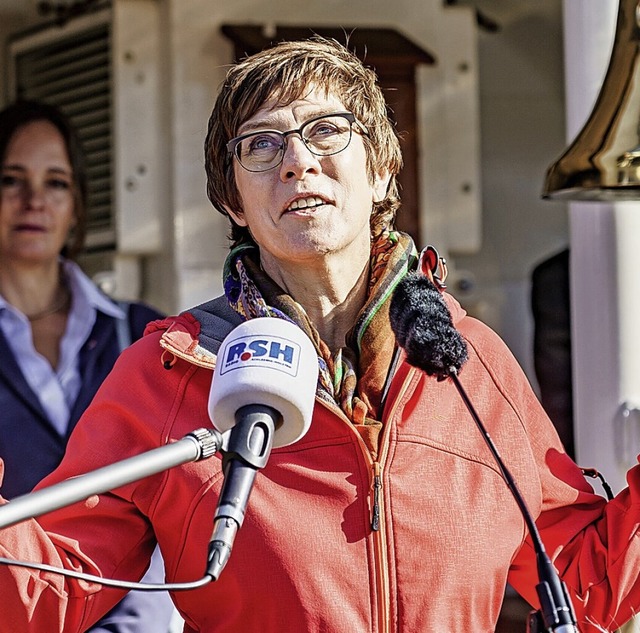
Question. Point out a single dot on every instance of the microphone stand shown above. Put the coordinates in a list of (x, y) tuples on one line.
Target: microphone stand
[(556, 614), (195, 446)]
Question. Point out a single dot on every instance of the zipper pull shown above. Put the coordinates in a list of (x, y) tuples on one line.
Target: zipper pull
[(377, 485)]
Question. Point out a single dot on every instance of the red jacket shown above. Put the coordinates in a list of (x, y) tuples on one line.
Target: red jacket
[(306, 558)]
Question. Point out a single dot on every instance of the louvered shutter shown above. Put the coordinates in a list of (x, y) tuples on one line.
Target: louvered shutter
[(102, 69), (71, 69)]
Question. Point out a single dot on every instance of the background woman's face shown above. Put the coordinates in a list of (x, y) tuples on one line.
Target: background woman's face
[(36, 194)]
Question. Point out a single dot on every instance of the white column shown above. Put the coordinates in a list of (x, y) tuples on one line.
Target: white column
[(602, 279)]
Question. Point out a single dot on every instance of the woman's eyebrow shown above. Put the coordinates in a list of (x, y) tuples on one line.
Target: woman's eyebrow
[(60, 170), (21, 168), (12, 167), (271, 123), (264, 124)]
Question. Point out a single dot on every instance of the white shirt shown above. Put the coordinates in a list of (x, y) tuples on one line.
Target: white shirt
[(57, 389)]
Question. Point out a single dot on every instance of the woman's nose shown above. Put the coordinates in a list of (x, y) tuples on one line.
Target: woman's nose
[(33, 195), (298, 160)]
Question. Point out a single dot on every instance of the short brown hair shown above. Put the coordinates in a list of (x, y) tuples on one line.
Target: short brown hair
[(284, 72)]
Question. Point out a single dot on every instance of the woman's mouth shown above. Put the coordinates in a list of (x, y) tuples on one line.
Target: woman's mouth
[(305, 203), (28, 227)]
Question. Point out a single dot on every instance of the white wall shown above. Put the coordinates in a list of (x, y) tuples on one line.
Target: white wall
[(522, 131), (503, 116)]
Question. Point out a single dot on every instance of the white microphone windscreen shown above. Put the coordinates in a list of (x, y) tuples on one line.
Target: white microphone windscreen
[(266, 361)]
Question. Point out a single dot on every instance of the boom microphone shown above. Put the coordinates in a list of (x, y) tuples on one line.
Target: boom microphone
[(423, 326), (262, 395)]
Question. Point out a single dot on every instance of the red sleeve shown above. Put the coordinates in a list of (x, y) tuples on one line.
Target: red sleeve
[(129, 415), (594, 543)]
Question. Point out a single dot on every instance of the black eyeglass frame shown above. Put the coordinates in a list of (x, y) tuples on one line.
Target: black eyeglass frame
[(233, 144)]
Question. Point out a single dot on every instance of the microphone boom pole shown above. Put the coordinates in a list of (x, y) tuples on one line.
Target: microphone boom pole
[(195, 446)]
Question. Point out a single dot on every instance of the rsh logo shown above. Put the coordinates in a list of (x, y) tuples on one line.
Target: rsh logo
[(254, 351)]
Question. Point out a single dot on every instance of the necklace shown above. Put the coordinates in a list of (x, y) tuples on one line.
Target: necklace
[(56, 306)]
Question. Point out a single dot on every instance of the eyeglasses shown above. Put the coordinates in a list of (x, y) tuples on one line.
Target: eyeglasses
[(323, 136)]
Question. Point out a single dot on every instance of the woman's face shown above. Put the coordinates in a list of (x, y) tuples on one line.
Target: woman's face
[(36, 195), (309, 207)]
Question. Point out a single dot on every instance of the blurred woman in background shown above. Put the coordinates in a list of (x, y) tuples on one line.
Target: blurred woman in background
[(59, 334)]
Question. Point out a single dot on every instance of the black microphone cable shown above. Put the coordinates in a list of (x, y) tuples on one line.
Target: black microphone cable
[(423, 326), (556, 610)]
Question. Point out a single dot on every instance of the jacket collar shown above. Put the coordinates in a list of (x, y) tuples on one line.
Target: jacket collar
[(196, 335)]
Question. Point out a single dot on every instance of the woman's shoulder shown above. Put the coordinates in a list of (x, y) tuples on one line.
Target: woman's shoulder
[(478, 334), (144, 309), (487, 351)]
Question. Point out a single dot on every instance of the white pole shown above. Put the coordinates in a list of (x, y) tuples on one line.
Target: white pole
[(599, 318)]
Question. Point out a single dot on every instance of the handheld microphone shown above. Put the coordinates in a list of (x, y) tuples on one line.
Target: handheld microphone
[(423, 326), (262, 396)]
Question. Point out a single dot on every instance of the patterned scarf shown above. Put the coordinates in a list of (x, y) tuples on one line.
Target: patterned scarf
[(353, 378)]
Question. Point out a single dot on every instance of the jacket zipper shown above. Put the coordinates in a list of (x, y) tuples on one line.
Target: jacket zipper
[(377, 518), (380, 548), (377, 490), (379, 532)]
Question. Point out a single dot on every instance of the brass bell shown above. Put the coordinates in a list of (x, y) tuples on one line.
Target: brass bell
[(603, 162)]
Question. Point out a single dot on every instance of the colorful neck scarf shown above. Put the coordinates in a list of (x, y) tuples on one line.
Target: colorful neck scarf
[(353, 378)]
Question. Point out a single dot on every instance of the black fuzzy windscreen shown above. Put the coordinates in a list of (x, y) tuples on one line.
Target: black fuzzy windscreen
[(424, 328)]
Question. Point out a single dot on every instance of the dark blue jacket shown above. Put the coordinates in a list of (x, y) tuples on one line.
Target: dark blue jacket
[(31, 448)]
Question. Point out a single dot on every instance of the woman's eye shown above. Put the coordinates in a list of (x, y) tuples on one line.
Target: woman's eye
[(6, 180), (60, 184), (323, 129), (263, 142)]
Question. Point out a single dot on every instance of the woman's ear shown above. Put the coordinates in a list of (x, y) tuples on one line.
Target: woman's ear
[(236, 216), (380, 185)]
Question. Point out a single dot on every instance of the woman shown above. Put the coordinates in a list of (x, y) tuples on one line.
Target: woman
[(58, 332), (390, 513)]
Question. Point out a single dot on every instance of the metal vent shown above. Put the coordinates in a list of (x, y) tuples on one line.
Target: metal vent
[(71, 69)]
